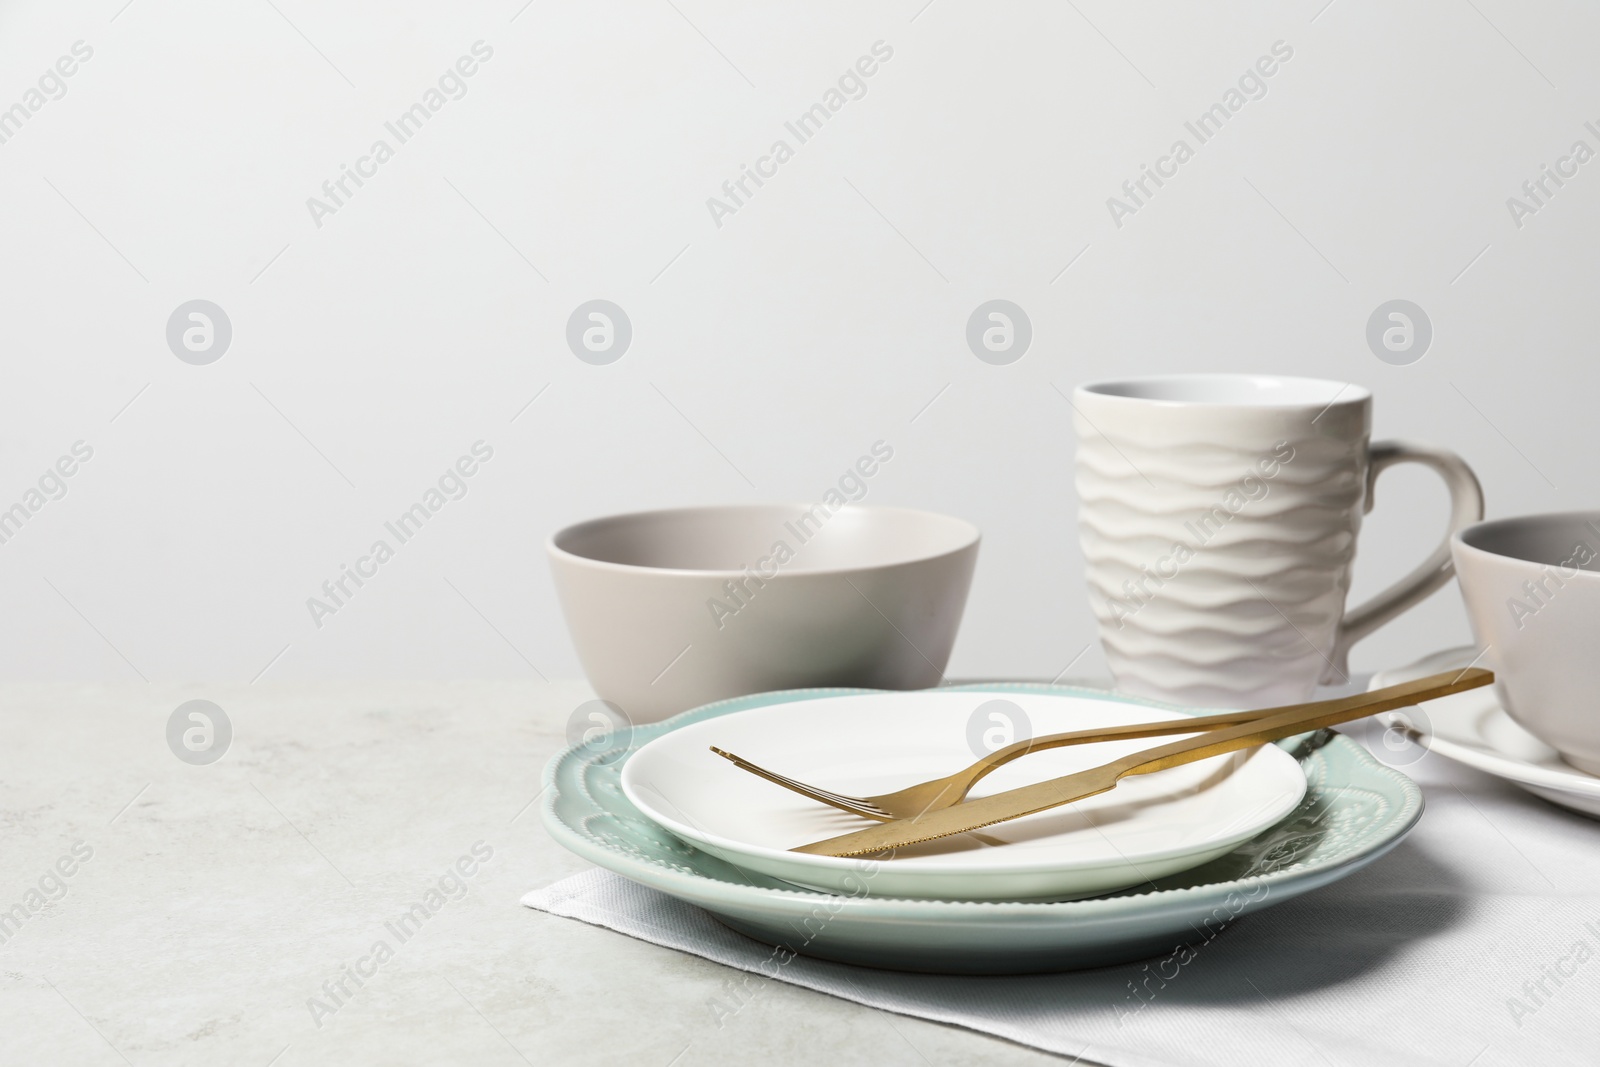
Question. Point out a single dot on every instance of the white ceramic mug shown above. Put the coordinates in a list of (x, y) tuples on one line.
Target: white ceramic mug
[(1218, 518), (1533, 594)]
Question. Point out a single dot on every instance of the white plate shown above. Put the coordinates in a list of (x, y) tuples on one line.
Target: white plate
[(1472, 728), (1149, 826)]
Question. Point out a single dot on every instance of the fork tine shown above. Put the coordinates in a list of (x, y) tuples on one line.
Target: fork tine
[(854, 805), (850, 804), (823, 795)]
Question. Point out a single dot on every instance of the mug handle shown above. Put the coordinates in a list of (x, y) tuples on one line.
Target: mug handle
[(1466, 507)]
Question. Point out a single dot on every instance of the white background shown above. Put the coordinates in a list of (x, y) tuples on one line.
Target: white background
[(369, 353)]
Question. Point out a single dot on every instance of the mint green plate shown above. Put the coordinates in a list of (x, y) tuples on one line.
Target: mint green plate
[(1355, 810)]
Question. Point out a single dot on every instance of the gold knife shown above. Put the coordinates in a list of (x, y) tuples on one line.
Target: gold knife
[(1274, 725)]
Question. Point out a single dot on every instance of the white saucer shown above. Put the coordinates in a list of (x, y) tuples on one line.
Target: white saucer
[(1149, 826), (1473, 728)]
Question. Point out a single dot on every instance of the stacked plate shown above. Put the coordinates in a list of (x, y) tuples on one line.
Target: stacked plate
[(1167, 858)]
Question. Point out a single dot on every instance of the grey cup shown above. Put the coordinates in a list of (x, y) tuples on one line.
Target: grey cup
[(1532, 589)]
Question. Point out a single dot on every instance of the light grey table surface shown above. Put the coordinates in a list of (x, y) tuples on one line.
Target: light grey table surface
[(222, 903)]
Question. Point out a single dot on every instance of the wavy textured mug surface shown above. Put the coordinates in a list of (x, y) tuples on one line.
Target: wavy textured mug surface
[(1219, 543)]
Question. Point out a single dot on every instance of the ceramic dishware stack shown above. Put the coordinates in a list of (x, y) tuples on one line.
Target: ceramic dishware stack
[(1181, 854), (1114, 877)]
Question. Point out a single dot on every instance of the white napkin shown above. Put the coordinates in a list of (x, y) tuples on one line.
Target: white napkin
[(1476, 941)]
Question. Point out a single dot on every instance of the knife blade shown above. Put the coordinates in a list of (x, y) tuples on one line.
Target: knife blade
[(1274, 725)]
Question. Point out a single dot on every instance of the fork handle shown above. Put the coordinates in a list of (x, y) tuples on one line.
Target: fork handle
[(1275, 724), (1198, 724)]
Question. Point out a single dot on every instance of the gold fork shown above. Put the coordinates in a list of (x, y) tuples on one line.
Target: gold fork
[(947, 792), (1274, 725), (953, 788)]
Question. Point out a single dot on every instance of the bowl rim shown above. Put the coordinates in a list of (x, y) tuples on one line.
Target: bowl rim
[(971, 538)]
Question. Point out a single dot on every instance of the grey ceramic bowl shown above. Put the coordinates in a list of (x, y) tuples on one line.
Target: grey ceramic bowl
[(1532, 589), (673, 609)]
